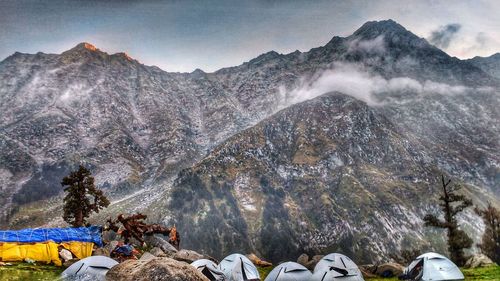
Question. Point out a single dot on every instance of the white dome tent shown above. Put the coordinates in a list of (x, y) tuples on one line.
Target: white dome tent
[(289, 271), (209, 269), (432, 266), (91, 268), (336, 267), (237, 267)]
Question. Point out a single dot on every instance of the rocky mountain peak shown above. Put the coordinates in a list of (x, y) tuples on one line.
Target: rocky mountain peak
[(373, 29), (85, 46), (265, 57), (392, 32), (83, 51)]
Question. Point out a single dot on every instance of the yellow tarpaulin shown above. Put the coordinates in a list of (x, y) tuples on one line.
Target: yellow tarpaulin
[(80, 250), (43, 252)]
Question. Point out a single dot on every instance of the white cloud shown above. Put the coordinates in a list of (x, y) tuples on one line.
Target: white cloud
[(374, 46), (356, 81)]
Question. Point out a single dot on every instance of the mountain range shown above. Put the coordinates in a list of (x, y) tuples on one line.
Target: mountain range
[(336, 149)]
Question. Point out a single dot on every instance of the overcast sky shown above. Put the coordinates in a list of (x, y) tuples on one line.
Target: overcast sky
[(184, 35)]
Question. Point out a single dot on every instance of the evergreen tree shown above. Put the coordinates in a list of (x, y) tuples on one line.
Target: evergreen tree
[(82, 197), (490, 242), (452, 204)]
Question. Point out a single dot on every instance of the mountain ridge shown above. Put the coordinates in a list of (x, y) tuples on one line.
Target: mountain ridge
[(139, 128)]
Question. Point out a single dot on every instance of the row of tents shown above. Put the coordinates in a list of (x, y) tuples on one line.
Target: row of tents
[(332, 267), (44, 244)]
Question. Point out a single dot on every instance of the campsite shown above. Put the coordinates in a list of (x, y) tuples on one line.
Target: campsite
[(85, 254), (257, 140), (29, 272)]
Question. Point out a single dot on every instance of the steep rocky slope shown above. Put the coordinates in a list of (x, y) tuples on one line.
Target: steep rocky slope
[(131, 123), (326, 174)]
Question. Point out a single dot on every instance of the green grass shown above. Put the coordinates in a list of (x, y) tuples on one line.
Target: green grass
[(264, 271), (485, 273), (30, 272)]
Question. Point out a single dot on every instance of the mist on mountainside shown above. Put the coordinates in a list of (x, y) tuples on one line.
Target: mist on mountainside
[(348, 138)]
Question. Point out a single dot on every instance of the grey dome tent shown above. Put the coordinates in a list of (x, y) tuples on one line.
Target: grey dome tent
[(432, 266), (237, 267), (91, 268), (289, 271), (209, 269), (336, 267)]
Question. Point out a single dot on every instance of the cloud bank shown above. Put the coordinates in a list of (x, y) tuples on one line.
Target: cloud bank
[(357, 81), (374, 46)]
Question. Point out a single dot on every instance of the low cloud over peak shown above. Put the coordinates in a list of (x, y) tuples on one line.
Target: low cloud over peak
[(443, 36)]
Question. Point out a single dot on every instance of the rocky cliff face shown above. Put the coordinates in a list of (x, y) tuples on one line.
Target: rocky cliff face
[(267, 161), (327, 174)]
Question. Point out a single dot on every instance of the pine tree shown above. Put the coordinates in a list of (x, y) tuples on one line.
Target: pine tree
[(81, 191), (490, 242), (452, 204)]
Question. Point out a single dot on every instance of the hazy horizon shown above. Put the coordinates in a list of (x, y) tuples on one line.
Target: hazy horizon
[(209, 35)]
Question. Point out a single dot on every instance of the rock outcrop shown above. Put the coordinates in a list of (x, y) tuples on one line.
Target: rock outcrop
[(159, 269), (478, 260)]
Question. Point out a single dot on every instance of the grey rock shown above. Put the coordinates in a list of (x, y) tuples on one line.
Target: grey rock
[(188, 256), (161, 243), (147, 256), (157, 252), (478, 260), (154, 269)]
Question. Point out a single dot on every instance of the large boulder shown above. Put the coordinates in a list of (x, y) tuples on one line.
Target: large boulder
[(190, 256), (478, 260), (147, 256), (157, 252), (389, 269), (158, 269), (366, 273), (164, 245), (309, 263), (258, 261)]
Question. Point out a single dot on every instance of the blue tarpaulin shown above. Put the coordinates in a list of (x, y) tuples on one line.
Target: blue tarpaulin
[(58, 235)]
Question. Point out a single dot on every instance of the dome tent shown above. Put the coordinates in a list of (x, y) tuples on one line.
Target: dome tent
[(237, 267), (289, 271), (209, 269), (432, 266), (91, 268), (336, 267)]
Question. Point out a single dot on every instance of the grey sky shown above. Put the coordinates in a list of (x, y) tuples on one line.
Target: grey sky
[(184, 35)]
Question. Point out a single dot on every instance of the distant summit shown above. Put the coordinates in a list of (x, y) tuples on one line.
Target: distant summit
[(85, 46), (376, 28)]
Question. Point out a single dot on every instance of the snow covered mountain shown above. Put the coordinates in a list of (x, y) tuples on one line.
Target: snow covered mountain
[(258, 140)]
